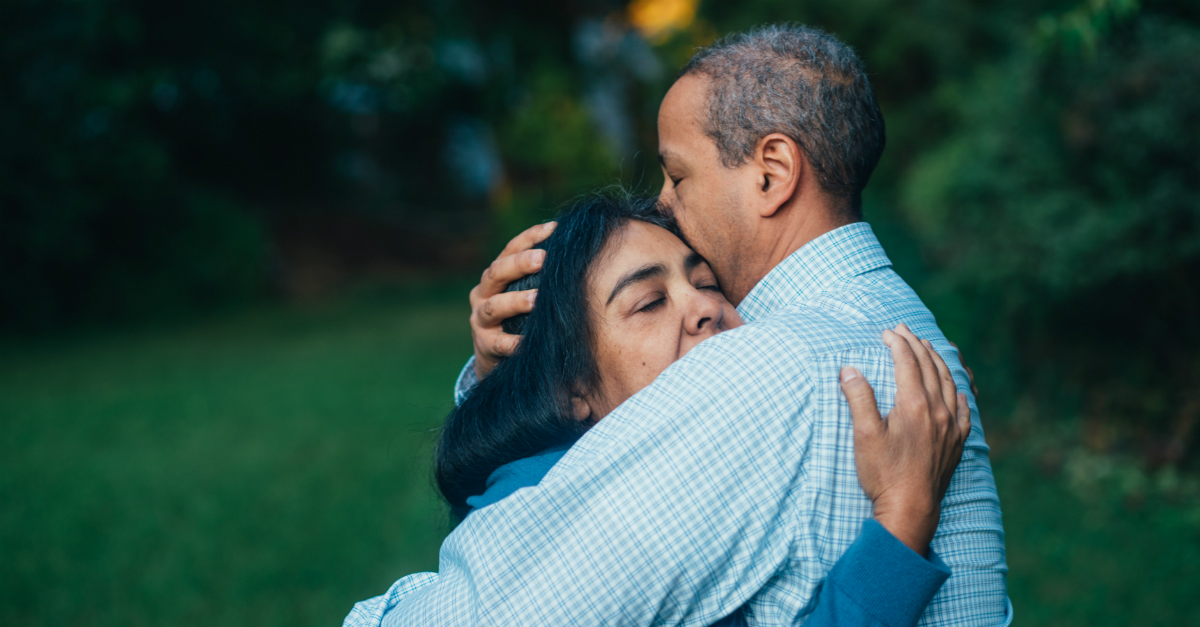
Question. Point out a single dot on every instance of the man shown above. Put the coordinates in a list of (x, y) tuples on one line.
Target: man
[(730, 482)]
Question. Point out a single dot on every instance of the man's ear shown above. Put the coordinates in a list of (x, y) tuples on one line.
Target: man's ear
[(780, 165)]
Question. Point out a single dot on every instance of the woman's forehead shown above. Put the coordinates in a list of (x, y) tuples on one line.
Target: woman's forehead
[(638, 244)]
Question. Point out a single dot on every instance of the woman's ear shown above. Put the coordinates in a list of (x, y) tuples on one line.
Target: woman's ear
[(580, 410)]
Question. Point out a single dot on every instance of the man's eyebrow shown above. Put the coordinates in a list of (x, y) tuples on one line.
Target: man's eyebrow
[(641, 274)]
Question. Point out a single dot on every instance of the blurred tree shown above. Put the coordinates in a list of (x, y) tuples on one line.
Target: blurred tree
[(1039, 186), (1063, 216), (163, 157)]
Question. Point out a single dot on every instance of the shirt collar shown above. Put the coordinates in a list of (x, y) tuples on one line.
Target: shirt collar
[(816, 267)]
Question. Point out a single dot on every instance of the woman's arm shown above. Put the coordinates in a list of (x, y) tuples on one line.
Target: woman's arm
[(904, 463)]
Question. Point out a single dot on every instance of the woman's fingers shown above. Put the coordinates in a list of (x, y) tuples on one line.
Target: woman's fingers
[(863, 408), (964, 417), (909, 383), (970, 373), (929, 376), (948, 387), (501, 307)]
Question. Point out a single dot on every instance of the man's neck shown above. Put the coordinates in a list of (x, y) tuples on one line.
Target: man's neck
[(794, 237), (789, 230)]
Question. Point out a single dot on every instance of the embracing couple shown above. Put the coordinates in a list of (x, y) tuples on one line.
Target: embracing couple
[(673, 415)]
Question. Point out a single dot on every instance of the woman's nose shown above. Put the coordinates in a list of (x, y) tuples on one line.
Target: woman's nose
[(704, 315)]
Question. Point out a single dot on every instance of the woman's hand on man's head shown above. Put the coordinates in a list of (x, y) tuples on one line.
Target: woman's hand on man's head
[(905, 461), (491, 305)]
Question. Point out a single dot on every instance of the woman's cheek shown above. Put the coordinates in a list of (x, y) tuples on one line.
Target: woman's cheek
[(730, 319), (650, 356)]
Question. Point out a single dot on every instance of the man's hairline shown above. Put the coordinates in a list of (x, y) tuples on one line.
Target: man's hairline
[(851, 205)]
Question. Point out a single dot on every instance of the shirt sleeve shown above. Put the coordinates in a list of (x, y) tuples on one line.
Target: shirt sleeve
[(372, 612), (676, 508), (878, 582), (467, 380), (728, 482)]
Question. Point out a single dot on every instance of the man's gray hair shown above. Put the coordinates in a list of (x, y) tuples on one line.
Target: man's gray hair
[(803, 83)]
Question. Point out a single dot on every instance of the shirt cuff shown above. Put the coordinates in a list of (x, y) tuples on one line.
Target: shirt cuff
[(887, 579), (467, 380)]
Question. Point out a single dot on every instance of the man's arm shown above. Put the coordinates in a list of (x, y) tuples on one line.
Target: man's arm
[(860, 578), (580, 548), (476, 547), (921, 445), (371, 613)]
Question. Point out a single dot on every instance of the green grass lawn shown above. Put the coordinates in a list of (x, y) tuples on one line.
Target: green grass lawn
[(272, 468)]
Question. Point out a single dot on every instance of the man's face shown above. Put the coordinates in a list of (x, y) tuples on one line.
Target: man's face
[(704, 195)]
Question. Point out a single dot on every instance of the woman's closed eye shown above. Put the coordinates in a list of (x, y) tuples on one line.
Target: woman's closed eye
[(655, 303)]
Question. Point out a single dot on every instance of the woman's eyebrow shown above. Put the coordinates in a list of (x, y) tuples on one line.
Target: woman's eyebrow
[(635, 276), (692, 260)]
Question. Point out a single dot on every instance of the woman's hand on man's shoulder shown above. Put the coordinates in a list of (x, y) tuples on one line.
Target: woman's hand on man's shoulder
[(905, 461)]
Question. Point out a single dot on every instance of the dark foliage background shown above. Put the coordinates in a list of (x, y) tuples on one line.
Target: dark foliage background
[(1041, 185)]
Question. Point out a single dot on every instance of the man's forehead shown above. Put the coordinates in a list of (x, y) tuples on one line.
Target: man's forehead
[(684, 100), (679, 114), (688, 92)]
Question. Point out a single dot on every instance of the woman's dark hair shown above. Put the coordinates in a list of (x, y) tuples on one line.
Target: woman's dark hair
[(523, 406)]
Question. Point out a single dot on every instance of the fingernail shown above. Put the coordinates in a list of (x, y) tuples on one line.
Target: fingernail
[(532, 296), (927, 344), (901, 327), (849, 374), (538, 257), (549, 226)]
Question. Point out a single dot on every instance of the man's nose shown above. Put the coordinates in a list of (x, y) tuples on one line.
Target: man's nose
[(667, 194)]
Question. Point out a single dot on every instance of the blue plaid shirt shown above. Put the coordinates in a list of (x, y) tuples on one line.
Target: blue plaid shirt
[(728, 482)]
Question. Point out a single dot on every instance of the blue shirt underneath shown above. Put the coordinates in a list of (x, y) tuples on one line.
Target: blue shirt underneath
[(878, 581)]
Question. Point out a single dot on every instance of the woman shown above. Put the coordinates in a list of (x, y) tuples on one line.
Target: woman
[(620, 297), (584, 352)]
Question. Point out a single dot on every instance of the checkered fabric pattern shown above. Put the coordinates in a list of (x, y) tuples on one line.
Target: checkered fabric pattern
[(467, 379), (729, 482)]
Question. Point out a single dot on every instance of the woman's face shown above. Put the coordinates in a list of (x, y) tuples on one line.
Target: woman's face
[(651, 300)]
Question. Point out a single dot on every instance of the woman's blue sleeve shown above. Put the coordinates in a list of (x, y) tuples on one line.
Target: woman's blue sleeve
[(878, 581)]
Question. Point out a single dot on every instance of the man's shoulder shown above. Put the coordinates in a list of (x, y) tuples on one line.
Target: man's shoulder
[(824, 325), (849, 316)]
